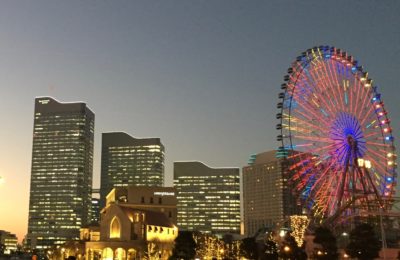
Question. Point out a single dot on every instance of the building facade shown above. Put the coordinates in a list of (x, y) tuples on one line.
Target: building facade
[(9, 241), (158, 199), (208, 198), (129, 161), (95, 208), (61, 172), (136, 223), (267, 196), (95, 211), (130, 233)]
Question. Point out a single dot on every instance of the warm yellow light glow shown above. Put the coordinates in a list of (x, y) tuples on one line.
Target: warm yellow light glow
[(286, 249), (299, 225), (360, 162), (161, 234), (389, 155), (115, 228), (364, 163), (1, 180), (367, 164)]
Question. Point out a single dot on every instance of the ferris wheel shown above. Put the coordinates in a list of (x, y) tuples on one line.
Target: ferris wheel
[(336, 136)]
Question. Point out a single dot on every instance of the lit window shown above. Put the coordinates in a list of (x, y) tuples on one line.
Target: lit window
[(115, 228)]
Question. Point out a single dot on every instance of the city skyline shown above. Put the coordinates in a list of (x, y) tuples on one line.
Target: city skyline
[(203, 77)]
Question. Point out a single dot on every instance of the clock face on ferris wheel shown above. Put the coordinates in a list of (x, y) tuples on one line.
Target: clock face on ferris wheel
[(336, 135)]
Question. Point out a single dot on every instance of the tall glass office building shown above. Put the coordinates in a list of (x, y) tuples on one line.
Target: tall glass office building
[(267, 195), (126, 160), (208, 198), (61, 173)]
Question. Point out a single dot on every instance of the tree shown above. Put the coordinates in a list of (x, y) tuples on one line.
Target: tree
[(270, 250), (363, 243), (185, 246), (290, 250), (248, 248), (325, 238)]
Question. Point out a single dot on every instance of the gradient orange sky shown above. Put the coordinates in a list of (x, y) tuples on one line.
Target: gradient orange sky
[(204, 76)]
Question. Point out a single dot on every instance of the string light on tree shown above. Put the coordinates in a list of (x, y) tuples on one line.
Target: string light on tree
[(299, 225)]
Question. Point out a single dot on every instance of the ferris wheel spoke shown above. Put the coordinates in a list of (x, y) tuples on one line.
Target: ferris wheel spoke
[(309, 106), (357, 85), (378, 155), (366, 136), (311, 128), (322, 82), (363, 106), (377, 166), (378, 144), (308, 118), (313, 138), (336, 83), (367, 115), (333, 84), (323, 175)]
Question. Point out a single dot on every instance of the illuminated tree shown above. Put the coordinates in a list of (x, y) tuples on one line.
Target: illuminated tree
[(363, 243), (299, 225), (208, 246), (327, 241)]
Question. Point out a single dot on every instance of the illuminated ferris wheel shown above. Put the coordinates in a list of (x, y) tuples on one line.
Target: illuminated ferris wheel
[(336, 136)]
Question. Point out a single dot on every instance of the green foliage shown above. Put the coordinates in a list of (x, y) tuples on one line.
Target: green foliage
[(185, 246), (325, 238), (363, 243)]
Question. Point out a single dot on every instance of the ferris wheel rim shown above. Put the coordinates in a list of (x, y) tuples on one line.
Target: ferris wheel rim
[(294, 73)]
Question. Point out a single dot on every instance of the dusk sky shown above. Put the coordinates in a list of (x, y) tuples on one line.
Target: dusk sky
[(204, 76)]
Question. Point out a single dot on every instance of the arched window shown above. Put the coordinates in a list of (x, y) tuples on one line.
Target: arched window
[(107, 254), (132, 254), (115, 228), (120, 254)]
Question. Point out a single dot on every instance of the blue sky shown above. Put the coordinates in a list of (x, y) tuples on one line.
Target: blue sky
[(202, 75)]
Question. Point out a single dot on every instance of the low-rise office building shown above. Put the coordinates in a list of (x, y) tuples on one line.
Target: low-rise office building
[(9, 240)]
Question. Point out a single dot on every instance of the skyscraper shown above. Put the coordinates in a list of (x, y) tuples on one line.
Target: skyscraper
[(95, 208), (208, 198), (130, 161), (267, 196), (61, 173)]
